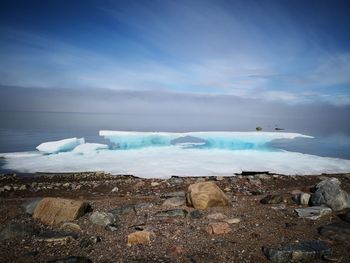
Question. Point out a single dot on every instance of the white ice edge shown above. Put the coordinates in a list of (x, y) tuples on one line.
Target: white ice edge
[(163, 162)]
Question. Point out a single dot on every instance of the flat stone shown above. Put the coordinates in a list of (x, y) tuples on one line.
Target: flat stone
[(29, 206), (232, 220), (53, 211), (140, 237), (218, 228), (177, 212), (336, 231), (56, 237), (206, 194), (301, 252), (71, 259), (329, 193), (15, 230), (102, 218), (123, 210), (313, 212), (175, 201), (217, 216)]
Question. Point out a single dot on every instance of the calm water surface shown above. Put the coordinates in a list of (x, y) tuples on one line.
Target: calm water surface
[(23, 131)]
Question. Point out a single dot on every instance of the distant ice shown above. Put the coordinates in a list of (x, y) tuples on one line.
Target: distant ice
[(89, 148), (60, 146), (163, 162)]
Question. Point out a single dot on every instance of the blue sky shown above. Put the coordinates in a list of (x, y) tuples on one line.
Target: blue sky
[(295, 52)]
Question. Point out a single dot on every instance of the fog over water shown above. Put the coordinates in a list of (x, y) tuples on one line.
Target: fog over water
[(30, 116)]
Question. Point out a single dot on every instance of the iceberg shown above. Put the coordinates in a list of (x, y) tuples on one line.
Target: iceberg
[(220, 140), (89, 147), (64, 145)]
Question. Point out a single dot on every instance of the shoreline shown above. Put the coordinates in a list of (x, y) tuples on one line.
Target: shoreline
[(181, 238)]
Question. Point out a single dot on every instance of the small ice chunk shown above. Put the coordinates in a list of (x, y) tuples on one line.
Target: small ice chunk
[(89, 147), (64, 145)]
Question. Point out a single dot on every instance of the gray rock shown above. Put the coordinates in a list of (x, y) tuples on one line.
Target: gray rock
[(15, 230), (102, 218), (302, 252), (336, 231), (329, 193), (196, 214), (172, 213), (313, 212), (71, 259), (175, 201), (29, 206)]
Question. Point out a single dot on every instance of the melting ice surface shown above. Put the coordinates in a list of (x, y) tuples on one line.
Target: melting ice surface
[(158, 155)]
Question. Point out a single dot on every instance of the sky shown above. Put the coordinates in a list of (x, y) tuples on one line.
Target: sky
[(241, 59)]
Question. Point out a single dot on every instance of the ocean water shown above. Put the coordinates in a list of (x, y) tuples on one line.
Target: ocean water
[(20, 133), (23, 131)]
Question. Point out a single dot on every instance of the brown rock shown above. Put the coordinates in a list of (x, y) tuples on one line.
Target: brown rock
[(206, 194), (139, 237), (218, 228), (52, 211)]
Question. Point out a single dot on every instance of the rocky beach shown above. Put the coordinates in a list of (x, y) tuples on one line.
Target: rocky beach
[(98, 217)]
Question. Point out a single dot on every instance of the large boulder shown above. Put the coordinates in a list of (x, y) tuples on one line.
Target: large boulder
[(206, 194), (329, 193), (52, 211)]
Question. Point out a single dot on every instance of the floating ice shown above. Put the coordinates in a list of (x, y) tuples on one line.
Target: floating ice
[(221, 140), (60, 146), (163, 162), (89, 147)]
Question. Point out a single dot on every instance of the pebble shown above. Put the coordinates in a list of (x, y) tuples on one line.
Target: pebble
[(115, 189), (175, 201), (7, 188), (233, 221), (217, 216), (218, 228), (140, 237)]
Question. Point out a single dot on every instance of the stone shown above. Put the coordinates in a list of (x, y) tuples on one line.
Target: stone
[(206, 194), (22, 187), (71, 259), (29, 206), (232, 221), (304, 198), (86, 242), (195, 214), (153, 184), (175, 201), (52, 211), (216, 216), (114, 190), (7, 187), (177, 212), (125, 209), (336, 231), (218, 228), (69, 226), (140, 237), (15, 230), (56, 237), (277, 199), (102, 218), (220, 178), (313, 212), (329, 193), (305, 251)]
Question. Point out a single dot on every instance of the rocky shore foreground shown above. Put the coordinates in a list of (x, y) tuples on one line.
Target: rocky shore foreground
[(97, 217)]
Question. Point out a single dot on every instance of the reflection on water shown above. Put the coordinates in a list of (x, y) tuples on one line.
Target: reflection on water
[(23, 131)]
